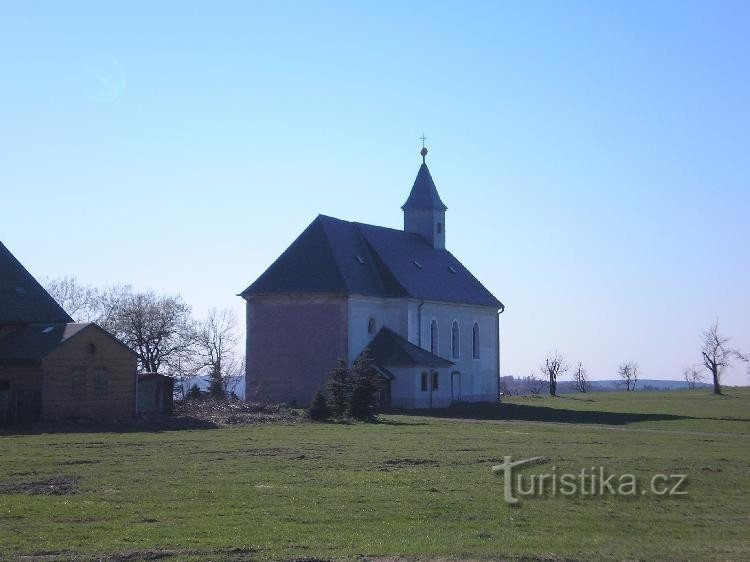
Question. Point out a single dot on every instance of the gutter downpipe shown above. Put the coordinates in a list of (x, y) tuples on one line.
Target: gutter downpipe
[(419, 323), (499, 312)]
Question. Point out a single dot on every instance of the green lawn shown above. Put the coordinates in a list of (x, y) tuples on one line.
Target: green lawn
[(414, 486)]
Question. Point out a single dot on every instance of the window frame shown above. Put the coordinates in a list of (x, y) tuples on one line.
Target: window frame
[(424, 381), (455, 340), (78, 384), (475, 341), (434, 337), (101, 382), (435, 381)]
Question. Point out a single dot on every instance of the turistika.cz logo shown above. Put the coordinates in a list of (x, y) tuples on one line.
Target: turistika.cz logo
[(589, 481)]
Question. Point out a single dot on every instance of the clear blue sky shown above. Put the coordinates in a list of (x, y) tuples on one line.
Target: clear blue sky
[(595, 157)]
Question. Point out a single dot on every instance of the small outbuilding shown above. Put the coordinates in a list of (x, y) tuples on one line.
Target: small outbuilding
[(155, 393), (51, 367)]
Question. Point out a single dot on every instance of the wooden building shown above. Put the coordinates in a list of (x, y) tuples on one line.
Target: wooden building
[(52, 368)]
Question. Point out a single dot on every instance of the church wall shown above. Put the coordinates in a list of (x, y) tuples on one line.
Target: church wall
[(406, 388), (479, 377), (391, 313), (292, 343), (425, 223)]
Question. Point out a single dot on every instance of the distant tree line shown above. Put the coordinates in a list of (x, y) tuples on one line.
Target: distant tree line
[(161, 330), (716, 357)]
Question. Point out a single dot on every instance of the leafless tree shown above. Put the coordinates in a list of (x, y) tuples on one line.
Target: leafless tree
[(746, 358), (534, 384), (158, 328), (629, 372), (692, 377), (110, 302), (78, 300), (716, 353), (217, 346), (554, 365), (580, 378)]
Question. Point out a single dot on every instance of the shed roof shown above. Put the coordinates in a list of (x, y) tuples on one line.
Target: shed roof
[(35, 341)]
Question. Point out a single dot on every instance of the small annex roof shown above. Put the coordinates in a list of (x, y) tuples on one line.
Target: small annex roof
[(22, 299), (388, 349), (35, 341)]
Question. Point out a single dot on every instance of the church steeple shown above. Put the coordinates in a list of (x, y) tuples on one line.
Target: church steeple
[(424, 212)]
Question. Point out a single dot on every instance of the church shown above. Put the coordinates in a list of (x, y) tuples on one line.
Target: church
[(430, 326)]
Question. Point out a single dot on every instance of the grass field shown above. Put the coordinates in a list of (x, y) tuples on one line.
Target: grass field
[(415, 486)]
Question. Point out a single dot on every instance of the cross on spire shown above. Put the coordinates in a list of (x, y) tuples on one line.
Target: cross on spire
[(423, 152)]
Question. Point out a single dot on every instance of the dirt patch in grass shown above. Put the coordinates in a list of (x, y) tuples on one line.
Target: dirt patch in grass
[(396, 464), (54, 486), (234, 412), (76, 462)]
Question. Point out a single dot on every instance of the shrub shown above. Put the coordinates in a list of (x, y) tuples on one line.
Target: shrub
[(194, 392), (339, 389), (364, 388), (319, 410)]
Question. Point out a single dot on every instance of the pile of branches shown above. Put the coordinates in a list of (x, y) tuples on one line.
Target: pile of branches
[(233, 412)]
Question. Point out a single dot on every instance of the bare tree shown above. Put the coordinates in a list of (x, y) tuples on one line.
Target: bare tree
[(692, 377), (717, 355), (746, 358), (78, 300), (580, 378), (158, 328), (217, 346), (628, 372), (554, 365), (534, 384)]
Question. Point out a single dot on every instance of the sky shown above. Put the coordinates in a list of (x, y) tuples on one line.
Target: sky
[(594, 156)]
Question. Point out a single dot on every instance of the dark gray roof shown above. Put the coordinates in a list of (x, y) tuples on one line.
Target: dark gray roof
[(35, 341), (388, 349), (336, 256), (22, 299), (424, 194)]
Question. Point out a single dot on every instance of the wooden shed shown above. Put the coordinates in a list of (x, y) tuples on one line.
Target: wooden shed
[(55, 371), (155, 393)]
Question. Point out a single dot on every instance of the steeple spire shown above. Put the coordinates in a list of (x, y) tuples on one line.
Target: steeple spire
[(424, 211)]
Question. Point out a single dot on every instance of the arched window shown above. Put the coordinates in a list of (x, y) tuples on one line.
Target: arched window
[(475, 341), (434, 337), (424, 381), (439, 227), (456, 340), (371, 326)]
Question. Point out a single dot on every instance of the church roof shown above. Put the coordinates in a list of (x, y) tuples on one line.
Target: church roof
[(424, 195), (342, 257), (388, 349), (22, 298)]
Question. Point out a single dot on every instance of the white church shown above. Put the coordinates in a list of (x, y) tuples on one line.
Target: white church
[(431, 327)]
